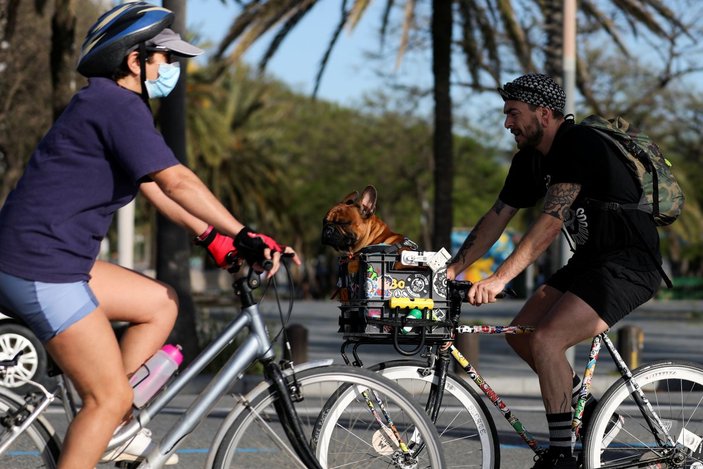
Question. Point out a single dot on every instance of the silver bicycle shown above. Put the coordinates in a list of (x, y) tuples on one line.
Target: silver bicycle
[(277, 424)]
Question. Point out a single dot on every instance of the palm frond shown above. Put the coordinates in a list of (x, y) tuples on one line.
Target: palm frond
[(606, 23), (408, 19), (357, 11), (636, 13), (344, 17), (516, 33), (287, 27)]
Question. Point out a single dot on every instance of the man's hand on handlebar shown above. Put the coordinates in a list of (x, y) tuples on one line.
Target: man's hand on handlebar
[(486, 291)]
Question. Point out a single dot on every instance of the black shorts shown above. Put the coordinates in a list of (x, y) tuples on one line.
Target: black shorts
[(610, 289)]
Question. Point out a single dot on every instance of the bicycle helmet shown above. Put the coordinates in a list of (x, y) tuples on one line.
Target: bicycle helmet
[(117, 32)]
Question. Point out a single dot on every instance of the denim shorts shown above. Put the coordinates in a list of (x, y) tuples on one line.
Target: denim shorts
[(47, 308)]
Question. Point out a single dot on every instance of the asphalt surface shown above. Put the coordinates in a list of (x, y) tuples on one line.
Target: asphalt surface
[(671, 330)]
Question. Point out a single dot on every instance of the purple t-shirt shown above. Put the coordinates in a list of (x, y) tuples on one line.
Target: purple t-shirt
[(88, 165)]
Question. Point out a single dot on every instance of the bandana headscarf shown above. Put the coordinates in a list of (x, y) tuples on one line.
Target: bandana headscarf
[(536, 89)]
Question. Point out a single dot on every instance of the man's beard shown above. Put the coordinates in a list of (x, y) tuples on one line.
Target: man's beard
[(533, 135)]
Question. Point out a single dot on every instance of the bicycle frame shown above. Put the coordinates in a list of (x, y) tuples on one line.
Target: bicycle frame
[(457, 292), (256, 346), (648, 412)]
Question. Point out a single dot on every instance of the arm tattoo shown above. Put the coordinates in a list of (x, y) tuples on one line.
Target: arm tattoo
[(559, 198), (468, 242), (500, 205)]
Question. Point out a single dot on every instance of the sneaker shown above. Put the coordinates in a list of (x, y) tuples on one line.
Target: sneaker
[(549, 460), (135, 449)]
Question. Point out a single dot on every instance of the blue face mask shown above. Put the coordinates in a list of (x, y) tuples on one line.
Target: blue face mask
[(165, 82)]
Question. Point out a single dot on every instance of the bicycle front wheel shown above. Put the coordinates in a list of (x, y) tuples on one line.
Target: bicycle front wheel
[(466, 429), (620, 435), (36, 447), (356, 436)]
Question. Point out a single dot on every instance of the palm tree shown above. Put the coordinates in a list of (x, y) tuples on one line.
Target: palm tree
[(485, 26), (229, 143)]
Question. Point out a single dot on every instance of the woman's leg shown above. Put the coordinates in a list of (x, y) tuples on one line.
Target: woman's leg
[(148, 305), (89, 355)]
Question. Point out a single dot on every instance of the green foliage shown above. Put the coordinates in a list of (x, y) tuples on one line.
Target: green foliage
[(281, 160)]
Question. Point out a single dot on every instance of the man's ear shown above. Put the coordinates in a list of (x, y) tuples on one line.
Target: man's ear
[(545, 115)]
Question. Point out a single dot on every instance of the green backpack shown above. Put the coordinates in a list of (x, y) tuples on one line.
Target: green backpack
[(661, 194)]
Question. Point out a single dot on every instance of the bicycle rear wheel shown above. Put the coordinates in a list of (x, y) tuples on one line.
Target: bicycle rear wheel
[(254, 437), (466, 429), (36, 447), (675, 392)]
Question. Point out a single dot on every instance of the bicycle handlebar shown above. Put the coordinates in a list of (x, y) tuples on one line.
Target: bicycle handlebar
[(461, 288)]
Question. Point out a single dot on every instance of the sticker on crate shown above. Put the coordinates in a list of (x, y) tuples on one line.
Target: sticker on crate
[(411, 285)]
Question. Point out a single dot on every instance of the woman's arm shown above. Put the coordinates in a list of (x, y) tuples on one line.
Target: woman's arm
[(182, 197)]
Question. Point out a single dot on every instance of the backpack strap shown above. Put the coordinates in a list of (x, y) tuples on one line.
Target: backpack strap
[(622, 208)]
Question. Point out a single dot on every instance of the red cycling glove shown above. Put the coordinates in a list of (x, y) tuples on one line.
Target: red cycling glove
[(219, 246), (251, 245)]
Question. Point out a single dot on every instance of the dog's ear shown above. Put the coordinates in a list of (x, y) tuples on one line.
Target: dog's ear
[(350, 198), (368, 201)]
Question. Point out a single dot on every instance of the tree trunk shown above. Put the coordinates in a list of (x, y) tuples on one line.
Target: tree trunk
[(173, 243), (443, 145), (63, 32), (554, 43)]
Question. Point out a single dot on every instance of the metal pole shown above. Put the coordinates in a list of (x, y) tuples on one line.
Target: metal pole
[(569, 80), (125, 236)]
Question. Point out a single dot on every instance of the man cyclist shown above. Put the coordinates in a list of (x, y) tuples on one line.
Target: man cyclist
[(99, 153), (610, 273)]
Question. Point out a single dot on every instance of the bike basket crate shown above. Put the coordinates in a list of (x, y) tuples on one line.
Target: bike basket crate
[(384, 301)]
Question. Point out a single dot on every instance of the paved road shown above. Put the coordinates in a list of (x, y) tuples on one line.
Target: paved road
[(671, 330)]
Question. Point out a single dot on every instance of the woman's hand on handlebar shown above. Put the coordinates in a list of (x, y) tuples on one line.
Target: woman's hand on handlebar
[(262, 252), (274, 257)]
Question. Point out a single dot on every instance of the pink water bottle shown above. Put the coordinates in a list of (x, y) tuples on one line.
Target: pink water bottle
[(153, 374)]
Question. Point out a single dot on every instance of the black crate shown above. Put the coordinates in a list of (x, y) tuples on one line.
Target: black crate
[(371, 282)]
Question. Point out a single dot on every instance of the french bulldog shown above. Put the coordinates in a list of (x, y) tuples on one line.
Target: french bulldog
[(351, 225)]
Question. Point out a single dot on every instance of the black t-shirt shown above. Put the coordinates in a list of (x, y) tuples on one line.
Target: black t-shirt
[(579, 155)]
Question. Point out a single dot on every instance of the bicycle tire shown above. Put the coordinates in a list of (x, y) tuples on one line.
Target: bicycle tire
[(254, 438), (37, 447), (675, 392), (466, 428)]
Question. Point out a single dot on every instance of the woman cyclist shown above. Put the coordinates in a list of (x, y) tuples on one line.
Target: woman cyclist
[(99, 153)]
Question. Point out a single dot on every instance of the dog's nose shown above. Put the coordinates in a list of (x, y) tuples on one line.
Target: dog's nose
[(327, 230)]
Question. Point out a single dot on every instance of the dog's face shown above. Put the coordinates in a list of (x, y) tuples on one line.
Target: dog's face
[(351, 224)]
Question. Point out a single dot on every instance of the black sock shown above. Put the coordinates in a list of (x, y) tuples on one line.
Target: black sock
[(559, 433)]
